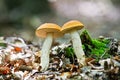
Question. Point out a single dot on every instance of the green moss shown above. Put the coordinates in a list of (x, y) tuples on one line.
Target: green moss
[(98, 44), (3, 44), (85, 37), (94, 47), (69, 52)]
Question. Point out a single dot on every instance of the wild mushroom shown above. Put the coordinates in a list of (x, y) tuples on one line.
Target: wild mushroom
[(47, 31), (72, 27)]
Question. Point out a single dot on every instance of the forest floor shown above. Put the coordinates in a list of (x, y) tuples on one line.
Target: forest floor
[(20, 59)]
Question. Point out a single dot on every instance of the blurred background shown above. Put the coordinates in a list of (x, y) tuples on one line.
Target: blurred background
[(22, 17)]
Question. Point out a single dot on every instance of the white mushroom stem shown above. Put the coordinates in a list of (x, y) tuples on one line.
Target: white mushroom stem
[(77, 45), (45, 52)]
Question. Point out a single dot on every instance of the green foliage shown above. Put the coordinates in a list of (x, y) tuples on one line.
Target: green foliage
[(85, 37), (3, 45), (98, 44), (69, 52), (94, 47)]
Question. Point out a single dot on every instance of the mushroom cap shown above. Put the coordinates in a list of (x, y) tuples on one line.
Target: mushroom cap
[(46, 28), (72, 25)]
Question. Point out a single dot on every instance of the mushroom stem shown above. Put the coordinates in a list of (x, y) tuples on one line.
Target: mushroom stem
[(77, 45), (46, 51)]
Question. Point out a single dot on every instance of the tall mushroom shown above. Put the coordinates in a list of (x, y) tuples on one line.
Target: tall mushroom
[(47, 31), (72, 27)]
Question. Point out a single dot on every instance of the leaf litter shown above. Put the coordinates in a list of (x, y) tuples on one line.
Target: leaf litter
[(20, 60)]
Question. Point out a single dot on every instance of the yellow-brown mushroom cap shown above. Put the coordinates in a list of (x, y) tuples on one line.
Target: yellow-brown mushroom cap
[(46, 28), (72, 25)]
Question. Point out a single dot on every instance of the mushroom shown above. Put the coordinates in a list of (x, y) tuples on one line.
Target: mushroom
[(47, 31), (72, 27)]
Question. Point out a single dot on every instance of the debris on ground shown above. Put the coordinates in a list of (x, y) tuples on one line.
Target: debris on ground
[(20, 60)]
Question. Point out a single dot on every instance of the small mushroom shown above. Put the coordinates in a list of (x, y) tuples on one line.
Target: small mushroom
[(47, 31), (72, 27)]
